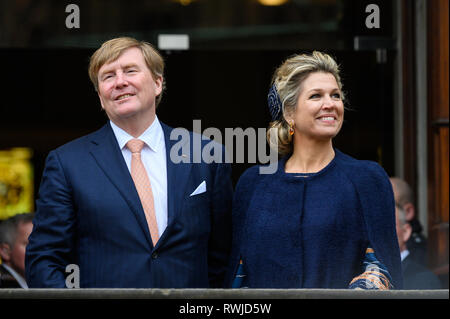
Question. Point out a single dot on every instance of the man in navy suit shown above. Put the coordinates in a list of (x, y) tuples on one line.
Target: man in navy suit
[(415, 275), (90, 211)]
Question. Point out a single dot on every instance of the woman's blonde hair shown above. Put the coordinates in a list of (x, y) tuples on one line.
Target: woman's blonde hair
[(288, 79), (111, 51)]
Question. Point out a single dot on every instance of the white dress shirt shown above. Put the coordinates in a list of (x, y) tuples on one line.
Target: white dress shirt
[(404, 254), (153, 156)]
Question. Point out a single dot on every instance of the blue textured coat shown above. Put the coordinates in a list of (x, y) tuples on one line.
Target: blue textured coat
[(312, 230)]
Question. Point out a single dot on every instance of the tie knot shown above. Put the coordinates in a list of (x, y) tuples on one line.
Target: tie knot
[(135, 145)]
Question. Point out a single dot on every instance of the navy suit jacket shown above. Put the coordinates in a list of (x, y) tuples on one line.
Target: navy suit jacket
[(416, 276), (89, 214)]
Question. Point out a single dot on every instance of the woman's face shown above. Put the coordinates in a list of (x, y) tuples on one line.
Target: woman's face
[(320, 111)]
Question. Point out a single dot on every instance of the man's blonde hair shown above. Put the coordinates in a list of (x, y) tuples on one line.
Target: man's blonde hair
[(111, 51)]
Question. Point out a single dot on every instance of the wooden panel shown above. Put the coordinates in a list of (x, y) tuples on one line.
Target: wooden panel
[(440, 176), (438, 255), (409, 93), (443, 174), (438, 136), (438, 59), (441, 55), (439, 203)]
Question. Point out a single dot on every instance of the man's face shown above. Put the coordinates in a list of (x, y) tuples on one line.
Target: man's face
[(403, 230), (126, 87), (17, 253)]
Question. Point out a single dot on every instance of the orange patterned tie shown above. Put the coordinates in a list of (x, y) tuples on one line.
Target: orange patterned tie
[(143, 186)]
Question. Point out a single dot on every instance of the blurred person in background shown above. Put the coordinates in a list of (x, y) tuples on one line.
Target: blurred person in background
[(404, 198), (415, 275), (14, 233)]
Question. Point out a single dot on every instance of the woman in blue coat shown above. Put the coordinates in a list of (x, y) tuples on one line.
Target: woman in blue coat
[(323, 219)]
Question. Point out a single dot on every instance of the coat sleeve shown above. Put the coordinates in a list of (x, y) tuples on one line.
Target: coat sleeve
[(51, 242), (220, 238), (378, 205), (241, 199)]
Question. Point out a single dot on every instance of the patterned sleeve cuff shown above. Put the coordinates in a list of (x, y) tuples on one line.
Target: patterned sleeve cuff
[(238, 281), (375, 275)]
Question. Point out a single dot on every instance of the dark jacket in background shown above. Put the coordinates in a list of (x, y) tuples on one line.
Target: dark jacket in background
[(7, 280), (416, 276)]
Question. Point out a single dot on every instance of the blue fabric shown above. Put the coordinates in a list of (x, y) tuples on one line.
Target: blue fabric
[(239, 279), (89, 214), (374, 277), (312, 230)]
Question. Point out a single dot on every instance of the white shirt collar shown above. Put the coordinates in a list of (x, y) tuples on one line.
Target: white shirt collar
[(153, 136), (16, 276), (404, 254)]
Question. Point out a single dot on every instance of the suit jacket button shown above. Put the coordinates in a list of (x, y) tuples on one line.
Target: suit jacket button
[(154, 255)]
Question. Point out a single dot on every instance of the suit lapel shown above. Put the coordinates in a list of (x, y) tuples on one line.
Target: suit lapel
[(105, 149), (177, 175)]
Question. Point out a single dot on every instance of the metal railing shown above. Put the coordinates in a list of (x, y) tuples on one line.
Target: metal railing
[(220, 294)]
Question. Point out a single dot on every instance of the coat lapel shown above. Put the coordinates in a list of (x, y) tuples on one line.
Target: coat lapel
[(105, 149)]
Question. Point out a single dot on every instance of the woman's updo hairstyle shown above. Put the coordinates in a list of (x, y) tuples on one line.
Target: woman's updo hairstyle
[(285, 90)]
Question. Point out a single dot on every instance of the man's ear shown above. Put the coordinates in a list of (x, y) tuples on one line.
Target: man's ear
[(159, 85), (5, 252), (407, 231), (410, 211)]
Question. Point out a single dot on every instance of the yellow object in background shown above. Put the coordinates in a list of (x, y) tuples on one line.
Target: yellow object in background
[(16, 182), (272, 2)]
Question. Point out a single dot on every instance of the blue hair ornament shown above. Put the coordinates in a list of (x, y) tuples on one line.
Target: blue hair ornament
[(274, 102)]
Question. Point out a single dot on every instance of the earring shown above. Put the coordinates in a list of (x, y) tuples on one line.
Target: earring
[(291, 128)]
